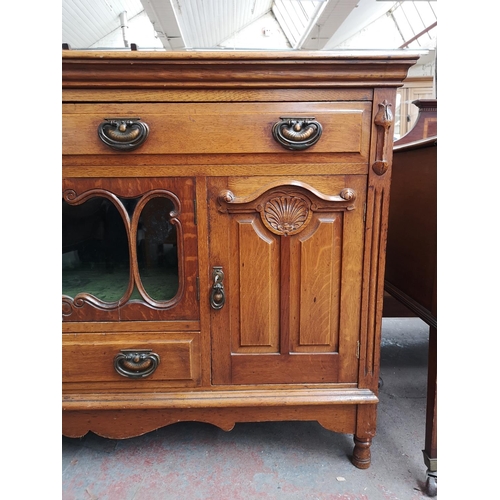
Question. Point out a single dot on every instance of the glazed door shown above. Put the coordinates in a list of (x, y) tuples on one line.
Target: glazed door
[(285, 257), (129, 249)]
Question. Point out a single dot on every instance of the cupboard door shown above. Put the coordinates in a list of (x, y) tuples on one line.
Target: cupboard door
[(129, 249), (286, 278)]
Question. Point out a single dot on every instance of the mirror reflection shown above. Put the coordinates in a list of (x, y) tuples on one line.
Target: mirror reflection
[(95, 249), (157, 249)]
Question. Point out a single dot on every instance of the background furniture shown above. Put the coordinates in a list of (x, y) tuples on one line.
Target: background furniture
[(411, 265), (425, 123), (262, 181)]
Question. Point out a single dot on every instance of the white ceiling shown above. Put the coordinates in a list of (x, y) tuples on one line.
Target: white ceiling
[(85, 22), (222, 24)]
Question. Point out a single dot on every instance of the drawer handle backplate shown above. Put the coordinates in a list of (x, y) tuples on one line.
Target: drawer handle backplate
[(297, 133), (136, 363), (123, 134)]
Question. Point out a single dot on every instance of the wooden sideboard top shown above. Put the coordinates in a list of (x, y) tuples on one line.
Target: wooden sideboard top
[(289, 69)]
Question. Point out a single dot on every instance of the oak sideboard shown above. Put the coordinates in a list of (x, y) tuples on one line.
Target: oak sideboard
[(224, 220)]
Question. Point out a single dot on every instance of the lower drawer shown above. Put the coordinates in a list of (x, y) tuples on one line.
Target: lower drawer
[(132, 360)]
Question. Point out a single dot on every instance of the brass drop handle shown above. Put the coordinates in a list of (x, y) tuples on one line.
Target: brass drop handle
[(297, 133), (136, 363), (123, 134), (218, 295)]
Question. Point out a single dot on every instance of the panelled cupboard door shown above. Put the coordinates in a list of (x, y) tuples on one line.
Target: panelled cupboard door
[(285, 270)]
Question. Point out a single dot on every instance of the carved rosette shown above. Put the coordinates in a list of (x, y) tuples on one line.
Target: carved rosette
[(286, 214), (285, 209)]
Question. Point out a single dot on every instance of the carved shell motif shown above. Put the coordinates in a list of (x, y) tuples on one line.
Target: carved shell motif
[(286, 215)]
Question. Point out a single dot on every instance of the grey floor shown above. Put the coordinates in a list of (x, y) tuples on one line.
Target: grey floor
[(275, 460)]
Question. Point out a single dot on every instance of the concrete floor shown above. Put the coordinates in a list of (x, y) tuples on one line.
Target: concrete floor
[(275, 460)]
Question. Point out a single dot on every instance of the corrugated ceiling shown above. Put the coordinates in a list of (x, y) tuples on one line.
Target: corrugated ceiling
[(85, 22), (295, 17), (192, 24), (207, 24)]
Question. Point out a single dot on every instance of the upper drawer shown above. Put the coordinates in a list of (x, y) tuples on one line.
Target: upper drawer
[(210, 128)]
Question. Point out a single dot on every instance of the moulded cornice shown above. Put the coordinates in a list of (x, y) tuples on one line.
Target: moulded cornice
[(203, 70)]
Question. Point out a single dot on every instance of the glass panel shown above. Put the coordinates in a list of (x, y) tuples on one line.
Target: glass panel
[(95, 254), (157, 250)]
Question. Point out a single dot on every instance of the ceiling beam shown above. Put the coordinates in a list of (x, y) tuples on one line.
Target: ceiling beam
[(423, 32), (162, 17), (365, 12), (324, 25)]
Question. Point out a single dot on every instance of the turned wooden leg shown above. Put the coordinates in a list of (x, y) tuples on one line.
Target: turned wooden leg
[(361, 456)]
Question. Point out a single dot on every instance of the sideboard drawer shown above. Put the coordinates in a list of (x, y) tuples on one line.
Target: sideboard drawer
[(210, 128), (92, 357)]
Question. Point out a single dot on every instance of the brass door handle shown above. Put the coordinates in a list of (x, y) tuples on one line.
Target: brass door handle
[(297, 133), (136, 363), (123, 134), (218, 295)]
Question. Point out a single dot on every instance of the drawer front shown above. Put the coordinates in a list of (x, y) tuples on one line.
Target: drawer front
[(209, 128), (89, 358)]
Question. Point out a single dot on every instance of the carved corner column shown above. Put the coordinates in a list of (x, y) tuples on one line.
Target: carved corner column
[(377, 212)]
